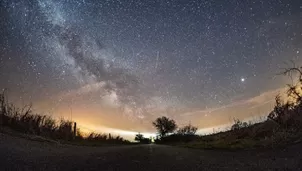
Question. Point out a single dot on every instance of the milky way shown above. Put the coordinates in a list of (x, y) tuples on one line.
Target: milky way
[(144, 59)]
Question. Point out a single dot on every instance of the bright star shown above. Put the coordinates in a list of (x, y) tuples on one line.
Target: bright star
[(242, 79)]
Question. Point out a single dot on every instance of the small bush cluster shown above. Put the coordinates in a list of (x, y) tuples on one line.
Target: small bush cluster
[(141, 139), (238, 124), (187, 130), (168, 132)]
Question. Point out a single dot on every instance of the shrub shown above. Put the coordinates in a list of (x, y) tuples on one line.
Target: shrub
[(141, 139), (187, 130), (238, 125)]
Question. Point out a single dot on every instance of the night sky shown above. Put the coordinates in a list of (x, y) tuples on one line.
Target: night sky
[(120, 64)]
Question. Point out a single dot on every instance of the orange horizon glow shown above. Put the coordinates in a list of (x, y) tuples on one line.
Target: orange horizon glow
[(97, 120)]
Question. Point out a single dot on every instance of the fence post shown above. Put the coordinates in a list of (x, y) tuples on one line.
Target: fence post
[(1, 120), (74, 129)]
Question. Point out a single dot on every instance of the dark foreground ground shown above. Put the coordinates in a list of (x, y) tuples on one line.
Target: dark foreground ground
[(22, 154)]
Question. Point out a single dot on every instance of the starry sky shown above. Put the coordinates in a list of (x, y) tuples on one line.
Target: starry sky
[(120, 64)]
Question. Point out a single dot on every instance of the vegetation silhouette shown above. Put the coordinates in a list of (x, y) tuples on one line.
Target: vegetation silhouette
[(187, 130), (164, 126), (25, 121), (141, 139), (287, 114), (238, 124), (282, 126)]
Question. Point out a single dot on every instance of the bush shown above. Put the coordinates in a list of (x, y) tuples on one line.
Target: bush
[(141, 139), (187, 130), (239, 125)]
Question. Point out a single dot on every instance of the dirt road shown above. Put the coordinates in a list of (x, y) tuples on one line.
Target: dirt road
[(22, 154)]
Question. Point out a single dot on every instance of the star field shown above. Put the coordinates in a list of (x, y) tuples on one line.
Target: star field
[(141, 59)]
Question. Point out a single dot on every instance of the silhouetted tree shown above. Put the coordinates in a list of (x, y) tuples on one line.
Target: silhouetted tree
[(164, 125), (187, 130), (139, 137), (284, 111), (294, 89)]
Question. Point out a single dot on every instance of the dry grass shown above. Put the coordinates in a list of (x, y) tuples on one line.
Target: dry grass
[(260, 135), (25, 121), (267, 134)]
